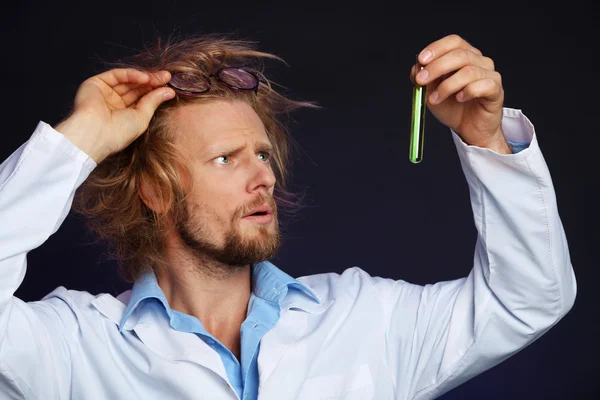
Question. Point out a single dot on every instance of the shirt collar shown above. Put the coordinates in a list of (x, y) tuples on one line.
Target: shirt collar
[(268, 282)]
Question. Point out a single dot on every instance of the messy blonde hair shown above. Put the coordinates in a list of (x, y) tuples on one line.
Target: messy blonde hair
[(110, 197)]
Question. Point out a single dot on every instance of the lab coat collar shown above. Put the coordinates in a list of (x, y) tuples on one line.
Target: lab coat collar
[(268, 282), (307, 298), (152, 324)]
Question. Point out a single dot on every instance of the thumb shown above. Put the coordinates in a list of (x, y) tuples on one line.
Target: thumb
[(148, 104)]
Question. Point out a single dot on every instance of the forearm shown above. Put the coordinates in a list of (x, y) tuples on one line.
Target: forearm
[(37, 184), (522, 282), (522, 240)]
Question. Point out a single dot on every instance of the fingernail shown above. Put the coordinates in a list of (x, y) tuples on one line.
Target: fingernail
[(168, 95), (425, 55), (433, 97), (421, 76)]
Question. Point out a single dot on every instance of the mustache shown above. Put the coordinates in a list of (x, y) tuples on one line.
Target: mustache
[(259, 201)]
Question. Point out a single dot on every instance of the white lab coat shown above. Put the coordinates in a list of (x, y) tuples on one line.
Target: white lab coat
[(370, 338)]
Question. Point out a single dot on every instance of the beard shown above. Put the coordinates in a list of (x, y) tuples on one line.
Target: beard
[(238, 250)]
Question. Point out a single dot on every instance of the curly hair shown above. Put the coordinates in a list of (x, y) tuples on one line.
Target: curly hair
[(110, 198)]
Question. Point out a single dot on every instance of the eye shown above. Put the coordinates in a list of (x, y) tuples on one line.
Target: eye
[(222, 160), (264, 156)]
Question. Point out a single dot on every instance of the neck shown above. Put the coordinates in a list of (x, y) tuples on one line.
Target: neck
[(216, 294)]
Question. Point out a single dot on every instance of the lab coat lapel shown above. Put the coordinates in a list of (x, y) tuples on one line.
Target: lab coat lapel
[(153, 329), (281, 346)]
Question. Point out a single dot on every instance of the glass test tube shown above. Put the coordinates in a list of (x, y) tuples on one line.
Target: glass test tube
[(418, 120)]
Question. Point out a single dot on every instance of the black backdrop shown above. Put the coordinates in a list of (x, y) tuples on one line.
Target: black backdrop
[(367, 205)]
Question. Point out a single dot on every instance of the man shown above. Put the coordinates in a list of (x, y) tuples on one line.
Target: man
[(183, 161)]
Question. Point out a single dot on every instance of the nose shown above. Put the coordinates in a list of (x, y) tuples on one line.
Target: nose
[(261, 177)]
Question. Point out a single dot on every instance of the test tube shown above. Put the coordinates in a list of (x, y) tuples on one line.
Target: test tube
[(417, 124)]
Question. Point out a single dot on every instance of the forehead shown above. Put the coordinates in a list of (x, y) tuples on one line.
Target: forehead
[(217, 121)]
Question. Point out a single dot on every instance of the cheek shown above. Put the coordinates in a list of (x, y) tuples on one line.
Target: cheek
[(215, 205), (218, 193)]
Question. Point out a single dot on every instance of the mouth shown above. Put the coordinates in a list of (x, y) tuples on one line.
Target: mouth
[(261, 215)]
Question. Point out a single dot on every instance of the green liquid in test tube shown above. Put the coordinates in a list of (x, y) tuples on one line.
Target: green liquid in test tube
[(417, 124)]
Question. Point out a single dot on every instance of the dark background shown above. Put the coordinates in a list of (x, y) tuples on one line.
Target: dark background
[(367, 205)]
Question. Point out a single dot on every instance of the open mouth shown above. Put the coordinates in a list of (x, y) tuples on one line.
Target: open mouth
[(263, 210), (260, 215)]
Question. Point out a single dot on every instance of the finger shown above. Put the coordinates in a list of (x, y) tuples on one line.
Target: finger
[(486, 88), (123, 88), (452, 61), (148, 104), (116, 76), (135, 94), (460, 80), (443, 46), (413, 71), (159, 78), (431, 84)]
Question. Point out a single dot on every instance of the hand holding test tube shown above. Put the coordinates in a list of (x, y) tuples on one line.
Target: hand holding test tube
[(462, 90)]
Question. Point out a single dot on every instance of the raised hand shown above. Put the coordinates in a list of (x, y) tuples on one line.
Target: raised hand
[(113, 108), (464, 91)]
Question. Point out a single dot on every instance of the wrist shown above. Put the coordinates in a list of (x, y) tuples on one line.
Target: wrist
[(496, 143), (499, 144), (81, 131)]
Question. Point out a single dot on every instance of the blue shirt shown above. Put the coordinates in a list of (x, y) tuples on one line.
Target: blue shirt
[(518, 146), (270, 287)]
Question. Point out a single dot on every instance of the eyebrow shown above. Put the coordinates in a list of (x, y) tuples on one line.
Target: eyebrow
[(218, 150)]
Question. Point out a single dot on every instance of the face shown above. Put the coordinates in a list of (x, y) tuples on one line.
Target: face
[(230, 215)]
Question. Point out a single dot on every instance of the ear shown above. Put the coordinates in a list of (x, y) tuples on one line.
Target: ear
[(151, 195)]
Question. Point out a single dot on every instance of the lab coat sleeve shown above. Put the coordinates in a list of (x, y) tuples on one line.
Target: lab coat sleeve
[(521, 284), (37, 185)]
